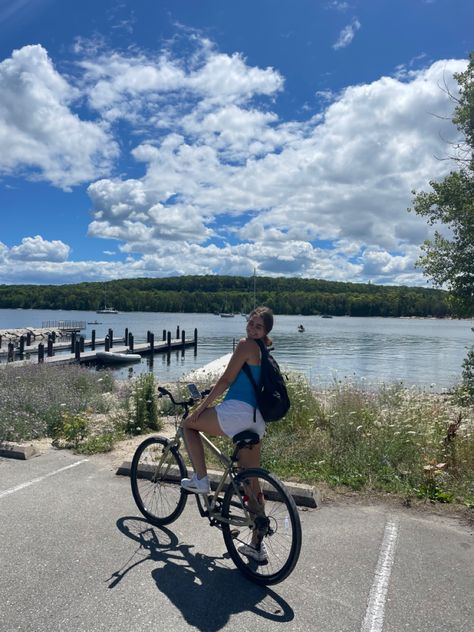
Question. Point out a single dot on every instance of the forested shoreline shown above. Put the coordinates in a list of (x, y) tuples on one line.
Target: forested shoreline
[(212, 293)]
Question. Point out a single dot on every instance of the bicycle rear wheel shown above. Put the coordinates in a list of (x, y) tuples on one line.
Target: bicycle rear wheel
[(155, 476), (275, 530)]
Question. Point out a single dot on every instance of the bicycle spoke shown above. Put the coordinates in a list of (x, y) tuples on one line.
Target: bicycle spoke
[(269, 524), (155, 475)]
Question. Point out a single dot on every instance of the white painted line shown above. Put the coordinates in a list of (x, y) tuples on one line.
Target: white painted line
[(375, 613), (12, 490)]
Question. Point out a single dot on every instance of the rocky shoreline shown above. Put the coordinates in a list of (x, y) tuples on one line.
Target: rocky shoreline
[(36, 333)]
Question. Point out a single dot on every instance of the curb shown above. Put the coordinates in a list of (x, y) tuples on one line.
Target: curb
[(303, 495), (14, 451)]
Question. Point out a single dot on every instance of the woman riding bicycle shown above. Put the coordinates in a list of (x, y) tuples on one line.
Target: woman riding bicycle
[(236, 413)]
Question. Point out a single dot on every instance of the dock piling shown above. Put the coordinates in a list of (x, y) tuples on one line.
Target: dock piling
[(151, 340), (130, 341), (93, 340), (11, 352), (50, 351), (111, 338), (40, 353)]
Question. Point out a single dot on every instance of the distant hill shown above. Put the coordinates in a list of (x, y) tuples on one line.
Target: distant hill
[(211, 293)]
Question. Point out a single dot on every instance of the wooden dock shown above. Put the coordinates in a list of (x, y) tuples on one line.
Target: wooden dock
[(85, 351), (141, 348)]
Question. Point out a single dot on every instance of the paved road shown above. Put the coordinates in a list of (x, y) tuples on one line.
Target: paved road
[(76, 556)]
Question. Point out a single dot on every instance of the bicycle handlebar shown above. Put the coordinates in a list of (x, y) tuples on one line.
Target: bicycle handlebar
[(184, 404)]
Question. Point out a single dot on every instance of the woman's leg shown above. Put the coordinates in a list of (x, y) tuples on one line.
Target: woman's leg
[(207, 422), (250, 457)]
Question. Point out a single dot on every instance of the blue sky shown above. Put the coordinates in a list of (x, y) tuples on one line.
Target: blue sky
[(158, 138)]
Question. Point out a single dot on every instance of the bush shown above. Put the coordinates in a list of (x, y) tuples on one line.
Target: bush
[(142, 409)]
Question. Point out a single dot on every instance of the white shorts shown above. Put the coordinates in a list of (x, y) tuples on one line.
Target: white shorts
[(235, 416)]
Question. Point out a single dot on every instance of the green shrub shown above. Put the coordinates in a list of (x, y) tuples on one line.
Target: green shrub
[(142, 408)]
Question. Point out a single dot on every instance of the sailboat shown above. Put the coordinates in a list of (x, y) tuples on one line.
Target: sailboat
[(106, 309), (254, 293), (225, 313)]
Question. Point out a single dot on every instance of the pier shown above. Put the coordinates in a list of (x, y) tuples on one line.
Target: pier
[(77, 349)]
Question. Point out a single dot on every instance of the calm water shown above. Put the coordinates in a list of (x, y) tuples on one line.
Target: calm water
[(427, 353)]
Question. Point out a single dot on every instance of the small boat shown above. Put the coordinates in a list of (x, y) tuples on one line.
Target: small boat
[(111, 357), (300, 328), (226, 315), (107, 310), (94, 322), (326, 316)]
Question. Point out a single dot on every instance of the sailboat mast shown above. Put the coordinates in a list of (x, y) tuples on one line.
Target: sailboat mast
[(254, 288)]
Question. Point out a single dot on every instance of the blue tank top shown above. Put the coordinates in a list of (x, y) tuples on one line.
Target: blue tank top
[(242, 388)]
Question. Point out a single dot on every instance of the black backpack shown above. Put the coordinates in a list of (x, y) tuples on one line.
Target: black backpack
[(272, 397)]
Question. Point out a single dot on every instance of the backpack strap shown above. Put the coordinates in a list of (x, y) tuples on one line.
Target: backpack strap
[(248, 373)]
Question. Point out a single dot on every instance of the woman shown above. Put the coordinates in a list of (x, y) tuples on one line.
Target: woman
[(235, 413)]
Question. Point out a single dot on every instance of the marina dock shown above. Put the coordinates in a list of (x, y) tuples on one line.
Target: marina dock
[(77, 349)]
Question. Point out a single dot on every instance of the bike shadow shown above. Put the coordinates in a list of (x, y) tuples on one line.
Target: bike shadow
[(202, 587)]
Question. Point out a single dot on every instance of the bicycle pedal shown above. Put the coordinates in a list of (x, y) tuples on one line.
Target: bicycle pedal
[(234, 533)]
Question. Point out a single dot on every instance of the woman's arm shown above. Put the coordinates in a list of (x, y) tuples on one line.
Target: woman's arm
[(239, 357)]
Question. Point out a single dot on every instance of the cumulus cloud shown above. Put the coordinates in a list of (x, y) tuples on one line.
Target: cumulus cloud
[(347, 34), (225, 185), (38, 249), (40, 135), (346, 178)]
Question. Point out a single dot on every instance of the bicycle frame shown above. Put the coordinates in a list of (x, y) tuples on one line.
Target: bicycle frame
[(210, 501)]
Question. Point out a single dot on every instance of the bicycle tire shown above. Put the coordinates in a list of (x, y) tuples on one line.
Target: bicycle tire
[(157, 492), (278, 524)]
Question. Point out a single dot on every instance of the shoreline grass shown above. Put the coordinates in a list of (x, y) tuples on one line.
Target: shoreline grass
[(385, 438)]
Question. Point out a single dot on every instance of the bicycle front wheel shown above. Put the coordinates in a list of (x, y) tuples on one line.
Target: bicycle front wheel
[(262, 528), (157, 470)]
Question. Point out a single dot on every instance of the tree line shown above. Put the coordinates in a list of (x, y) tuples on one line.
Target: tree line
[(213, 293)]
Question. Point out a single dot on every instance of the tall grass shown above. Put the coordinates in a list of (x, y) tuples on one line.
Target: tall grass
[(388, 438), (34, 398)]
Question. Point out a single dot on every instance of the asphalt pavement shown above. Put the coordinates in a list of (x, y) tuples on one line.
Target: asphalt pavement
[(76, 555)]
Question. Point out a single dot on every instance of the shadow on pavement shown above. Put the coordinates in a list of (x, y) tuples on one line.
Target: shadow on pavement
[(202, 587)]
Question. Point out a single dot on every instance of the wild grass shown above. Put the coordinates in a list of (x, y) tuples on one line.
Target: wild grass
[(34, 398), (75, 407), (386, 438), (389, 438)]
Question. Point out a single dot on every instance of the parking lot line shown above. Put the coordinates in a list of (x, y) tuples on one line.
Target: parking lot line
[(375, 613), (33, 481)]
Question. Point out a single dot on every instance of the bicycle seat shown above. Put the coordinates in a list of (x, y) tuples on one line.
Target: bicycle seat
[(245, 438)]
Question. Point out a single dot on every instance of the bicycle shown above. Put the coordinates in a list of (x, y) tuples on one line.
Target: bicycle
[(250, 506)]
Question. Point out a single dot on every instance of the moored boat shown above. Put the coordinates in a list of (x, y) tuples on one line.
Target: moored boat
[(112, 357)]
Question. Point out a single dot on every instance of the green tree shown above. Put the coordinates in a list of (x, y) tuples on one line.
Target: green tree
[(449, 257)]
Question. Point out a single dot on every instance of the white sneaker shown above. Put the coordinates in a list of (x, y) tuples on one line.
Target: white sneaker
[(250, 551), (196, 485)]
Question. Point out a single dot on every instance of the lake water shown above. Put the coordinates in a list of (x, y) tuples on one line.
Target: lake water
[(422, 352)]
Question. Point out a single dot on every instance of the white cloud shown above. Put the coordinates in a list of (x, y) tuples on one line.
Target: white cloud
[(325, 197), (347, 177), (39, 134), (38, 249), (347, 34)]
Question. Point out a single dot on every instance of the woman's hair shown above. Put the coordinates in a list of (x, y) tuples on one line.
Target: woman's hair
[(266, 314)]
